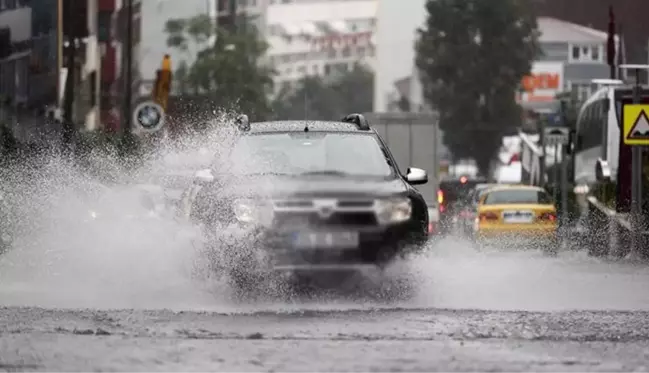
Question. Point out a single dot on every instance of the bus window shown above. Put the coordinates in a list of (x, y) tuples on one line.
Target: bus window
[(595, 121)]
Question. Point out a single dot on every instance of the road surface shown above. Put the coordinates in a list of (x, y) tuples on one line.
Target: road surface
[(471, 310)]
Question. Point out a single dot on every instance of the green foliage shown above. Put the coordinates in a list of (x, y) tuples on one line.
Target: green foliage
[(318, 98), (228, 72), (472, 55)]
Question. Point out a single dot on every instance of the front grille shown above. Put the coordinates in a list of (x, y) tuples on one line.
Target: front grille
[(312, 219), (355, 203)]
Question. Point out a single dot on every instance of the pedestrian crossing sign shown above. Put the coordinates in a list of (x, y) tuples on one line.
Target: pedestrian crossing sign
[(636, 124)]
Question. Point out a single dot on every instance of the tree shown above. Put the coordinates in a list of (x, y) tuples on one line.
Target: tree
[(331, 98), (228, 72), (472, 55)]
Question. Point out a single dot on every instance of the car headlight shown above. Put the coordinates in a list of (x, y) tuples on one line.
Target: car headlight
[(394, 210), (252, 211)]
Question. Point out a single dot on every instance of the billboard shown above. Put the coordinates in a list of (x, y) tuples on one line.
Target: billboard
[(543, 83)]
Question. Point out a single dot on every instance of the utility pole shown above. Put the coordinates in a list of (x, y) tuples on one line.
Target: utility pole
[(233, 17), (636, 177), (541, 126), (70, 52), (127, 125), (637, 219)]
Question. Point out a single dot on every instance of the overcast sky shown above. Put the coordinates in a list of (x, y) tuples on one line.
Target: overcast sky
[(153, 44)]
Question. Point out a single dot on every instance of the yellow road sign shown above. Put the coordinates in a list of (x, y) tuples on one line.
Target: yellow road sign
[(163, 83), (636, 124)]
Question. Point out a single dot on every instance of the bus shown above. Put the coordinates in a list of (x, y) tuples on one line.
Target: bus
[(597, 135)]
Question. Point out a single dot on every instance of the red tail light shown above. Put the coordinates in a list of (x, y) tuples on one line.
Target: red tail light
[(548, 216), (442, 208), (488, 216)]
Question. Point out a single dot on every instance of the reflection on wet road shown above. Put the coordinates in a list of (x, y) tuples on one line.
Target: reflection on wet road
[(472, 310), (461, 277)]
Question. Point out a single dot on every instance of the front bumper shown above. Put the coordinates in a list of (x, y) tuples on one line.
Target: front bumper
[(376, 247)]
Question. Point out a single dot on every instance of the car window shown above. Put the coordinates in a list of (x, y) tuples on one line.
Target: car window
[(297, 153), (517, 196)]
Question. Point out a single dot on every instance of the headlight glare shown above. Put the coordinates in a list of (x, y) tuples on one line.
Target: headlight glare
[(394, 210), (251, 211)]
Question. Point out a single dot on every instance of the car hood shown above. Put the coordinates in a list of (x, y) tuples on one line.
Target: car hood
[(323, 187)]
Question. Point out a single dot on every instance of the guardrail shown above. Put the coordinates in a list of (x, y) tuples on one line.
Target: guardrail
[(610, 233)]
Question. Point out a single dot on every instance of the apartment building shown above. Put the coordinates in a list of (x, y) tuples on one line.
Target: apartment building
[(321, 38)]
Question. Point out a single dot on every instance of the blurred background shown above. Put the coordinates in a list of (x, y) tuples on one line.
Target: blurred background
[(486, 71)]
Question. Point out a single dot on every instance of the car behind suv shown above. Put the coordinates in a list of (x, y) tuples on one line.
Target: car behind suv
[(311, 197), (453, 196)]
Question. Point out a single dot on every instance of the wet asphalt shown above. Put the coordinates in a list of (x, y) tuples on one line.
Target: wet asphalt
[(470, 310)]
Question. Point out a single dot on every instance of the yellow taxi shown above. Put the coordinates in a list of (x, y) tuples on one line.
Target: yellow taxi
[(514, 213)]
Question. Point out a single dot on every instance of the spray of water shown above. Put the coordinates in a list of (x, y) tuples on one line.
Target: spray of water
[(85, 236)]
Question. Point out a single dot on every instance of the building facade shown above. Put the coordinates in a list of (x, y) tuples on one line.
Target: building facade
[(630, 17), (572, 56), (15, 51), (112, 36), (322, 38), (28, 66)]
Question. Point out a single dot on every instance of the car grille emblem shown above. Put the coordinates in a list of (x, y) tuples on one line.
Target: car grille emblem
[(325, 207)]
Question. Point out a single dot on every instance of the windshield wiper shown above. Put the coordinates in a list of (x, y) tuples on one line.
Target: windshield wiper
[(325, 173)]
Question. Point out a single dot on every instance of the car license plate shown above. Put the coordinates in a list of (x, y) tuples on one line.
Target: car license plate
[(334, 240), (518, 217)]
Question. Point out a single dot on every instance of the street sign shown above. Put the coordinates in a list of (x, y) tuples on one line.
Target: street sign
[(636, 124), (553, 119), (557, 136), (148, 117)]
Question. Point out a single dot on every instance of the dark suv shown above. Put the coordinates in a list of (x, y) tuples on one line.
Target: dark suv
[(308, 198)]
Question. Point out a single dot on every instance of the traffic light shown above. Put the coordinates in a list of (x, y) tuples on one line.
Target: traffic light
[(163, 83), (75, 19)]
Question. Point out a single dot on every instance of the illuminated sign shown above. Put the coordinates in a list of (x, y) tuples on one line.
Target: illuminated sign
[(543, 83)]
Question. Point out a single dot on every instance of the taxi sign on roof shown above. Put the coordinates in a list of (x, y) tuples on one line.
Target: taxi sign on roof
[(636, 124)]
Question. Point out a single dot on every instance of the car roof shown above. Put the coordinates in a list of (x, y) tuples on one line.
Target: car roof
[(486, 185), (300, 125), (516, 186)]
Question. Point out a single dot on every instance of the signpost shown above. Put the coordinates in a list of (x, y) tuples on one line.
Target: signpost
[(635, 125), (555, 136), (148, 117)]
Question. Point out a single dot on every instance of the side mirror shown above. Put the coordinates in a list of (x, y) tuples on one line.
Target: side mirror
[(416, 176), (204, 176)]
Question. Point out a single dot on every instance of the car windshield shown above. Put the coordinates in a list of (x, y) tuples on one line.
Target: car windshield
[(517, 196), (337, 154)]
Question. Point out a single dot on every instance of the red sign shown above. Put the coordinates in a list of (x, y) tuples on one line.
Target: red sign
[(541, 81)]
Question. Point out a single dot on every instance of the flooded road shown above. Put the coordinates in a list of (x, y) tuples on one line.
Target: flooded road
[(471, 310)]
